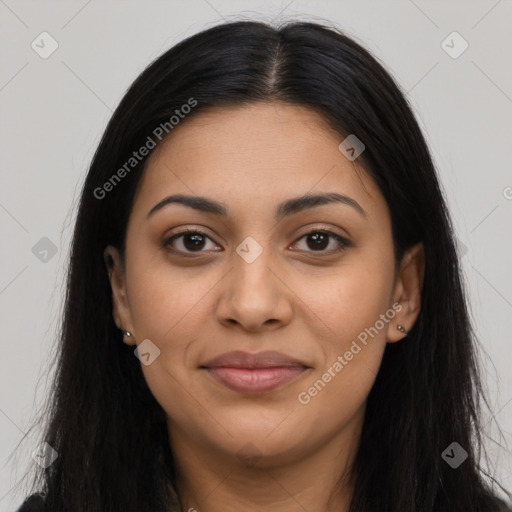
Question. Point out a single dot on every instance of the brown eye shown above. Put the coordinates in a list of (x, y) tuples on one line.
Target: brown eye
[(318, 240), (191, 241)]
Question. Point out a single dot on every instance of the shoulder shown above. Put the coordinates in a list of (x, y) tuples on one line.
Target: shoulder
[(34, 503)]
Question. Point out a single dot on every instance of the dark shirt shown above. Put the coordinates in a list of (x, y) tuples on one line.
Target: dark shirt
[(34, 503)]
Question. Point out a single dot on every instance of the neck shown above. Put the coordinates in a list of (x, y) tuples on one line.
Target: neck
[(317, 479)]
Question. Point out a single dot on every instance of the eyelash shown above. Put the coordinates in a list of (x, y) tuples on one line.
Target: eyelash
[(344, 243)]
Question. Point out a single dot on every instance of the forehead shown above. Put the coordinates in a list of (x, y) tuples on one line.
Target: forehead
[(254, 155)]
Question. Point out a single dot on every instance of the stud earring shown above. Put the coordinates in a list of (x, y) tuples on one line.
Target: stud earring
[(128, 334), (401, 328)]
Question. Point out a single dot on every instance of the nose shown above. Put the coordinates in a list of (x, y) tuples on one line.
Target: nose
[(254, 295)]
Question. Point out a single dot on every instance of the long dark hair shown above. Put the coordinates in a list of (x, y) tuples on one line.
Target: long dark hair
[(102, 419)]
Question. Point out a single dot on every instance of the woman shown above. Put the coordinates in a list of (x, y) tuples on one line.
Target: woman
[(264, 308)]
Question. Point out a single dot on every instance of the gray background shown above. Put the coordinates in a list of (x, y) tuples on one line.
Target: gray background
[(54, 110)]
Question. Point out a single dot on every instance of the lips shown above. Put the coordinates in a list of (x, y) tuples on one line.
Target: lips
[(254, 374), (239, 359)]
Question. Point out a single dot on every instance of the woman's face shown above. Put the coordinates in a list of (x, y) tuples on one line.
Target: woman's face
[(254, 281)]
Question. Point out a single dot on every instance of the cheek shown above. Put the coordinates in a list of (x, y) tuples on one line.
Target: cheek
[(354, 304), (365, 286), (352, 297), (165, 299), (351, 360), (169, 310), (169, 306)]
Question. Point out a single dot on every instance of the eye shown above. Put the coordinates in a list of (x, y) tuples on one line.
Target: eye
[(192, 241), (318, 240)]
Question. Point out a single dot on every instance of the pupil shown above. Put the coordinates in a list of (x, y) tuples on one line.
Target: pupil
[(319, 237), (197, 241)]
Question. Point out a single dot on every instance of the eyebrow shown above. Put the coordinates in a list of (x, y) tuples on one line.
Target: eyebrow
[(288, 207)]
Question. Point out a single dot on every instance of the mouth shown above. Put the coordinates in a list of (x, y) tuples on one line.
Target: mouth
[(254, 374)]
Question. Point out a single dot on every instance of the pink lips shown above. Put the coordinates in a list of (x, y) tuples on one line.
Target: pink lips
[(254, 373)]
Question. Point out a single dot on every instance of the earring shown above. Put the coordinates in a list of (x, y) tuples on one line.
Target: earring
[(401, 328), (126, 333)]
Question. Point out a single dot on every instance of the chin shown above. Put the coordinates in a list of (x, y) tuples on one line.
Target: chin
[(260, 450)]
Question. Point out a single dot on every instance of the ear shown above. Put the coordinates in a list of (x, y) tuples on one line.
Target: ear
[(116, 274), (407, 292)]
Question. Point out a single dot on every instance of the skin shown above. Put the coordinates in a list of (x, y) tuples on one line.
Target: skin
[(292, 298)]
